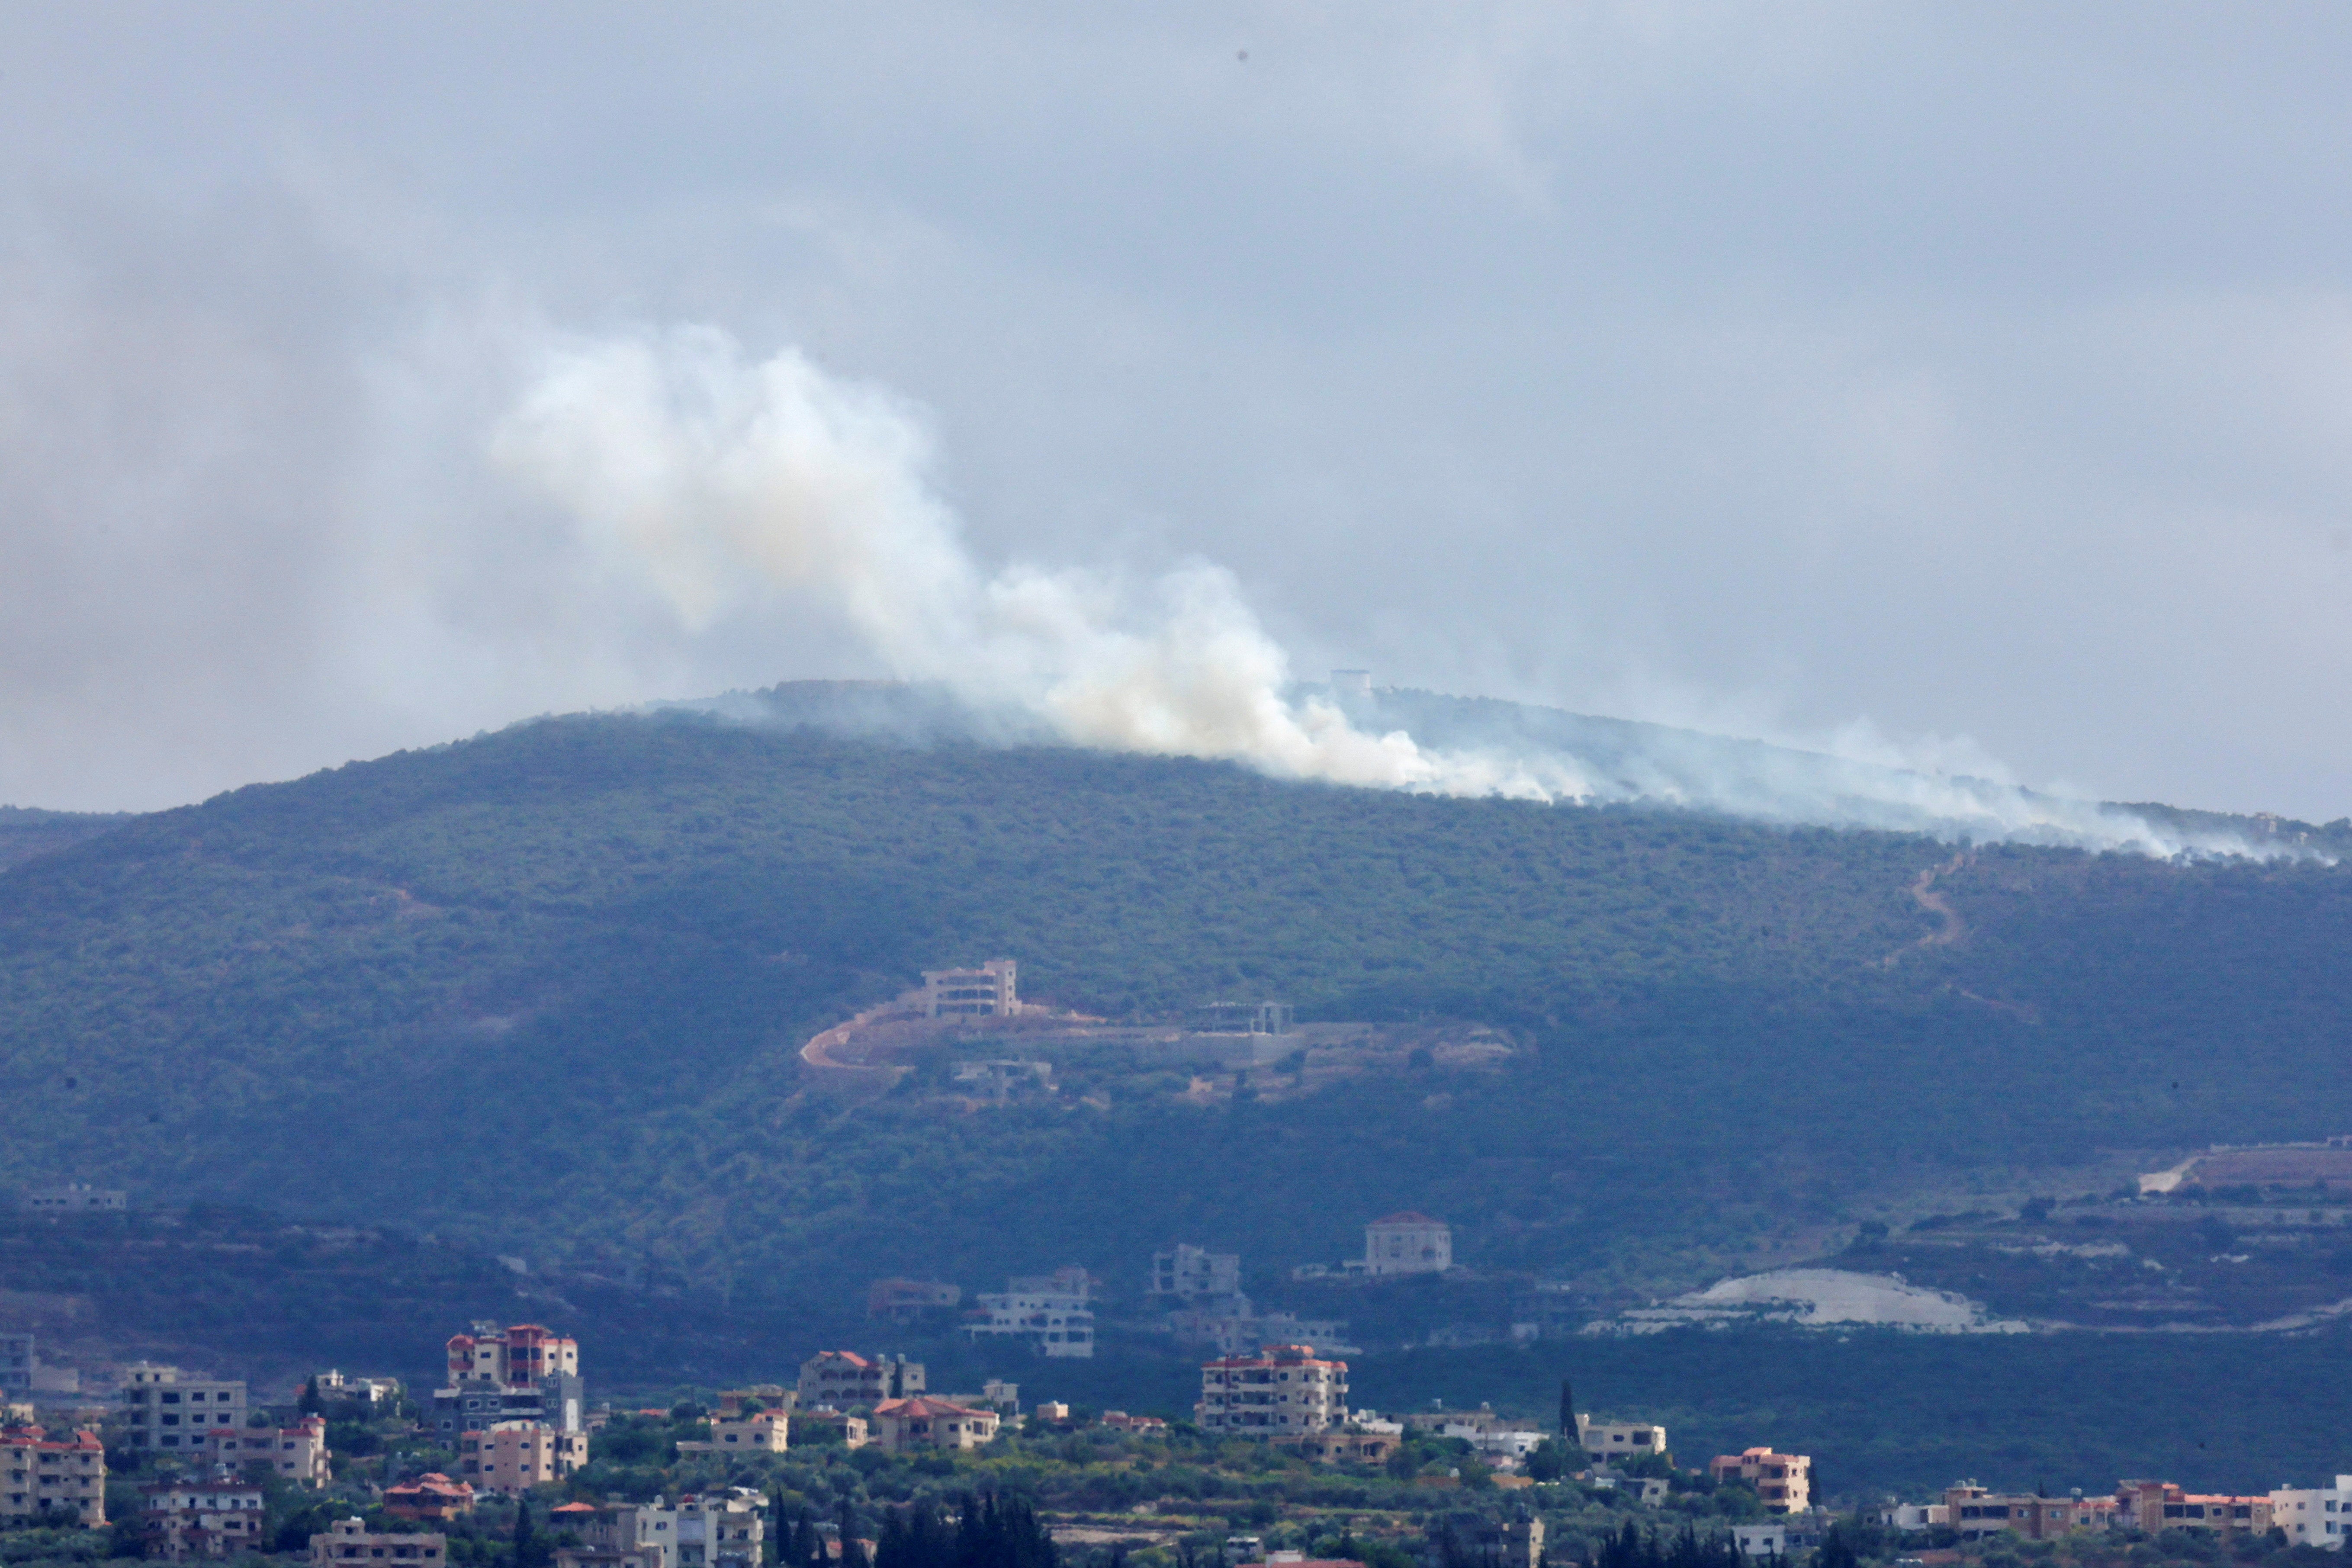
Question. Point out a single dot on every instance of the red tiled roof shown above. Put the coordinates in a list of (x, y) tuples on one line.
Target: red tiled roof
[(922, 1404), (851, 1357)]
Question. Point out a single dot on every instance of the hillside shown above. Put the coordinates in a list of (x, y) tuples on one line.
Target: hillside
[(541, 993)]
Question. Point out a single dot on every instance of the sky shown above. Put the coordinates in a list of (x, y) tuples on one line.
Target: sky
[(1963, 384)]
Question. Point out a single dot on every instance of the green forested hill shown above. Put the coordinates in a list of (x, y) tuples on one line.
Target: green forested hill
[(542, 992)]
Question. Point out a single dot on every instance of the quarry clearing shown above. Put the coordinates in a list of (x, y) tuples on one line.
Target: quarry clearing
[(983, 1061), (1815, 1298)]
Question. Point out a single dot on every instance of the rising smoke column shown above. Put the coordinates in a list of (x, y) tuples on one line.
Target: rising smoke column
[(713, 478), (716, 481)]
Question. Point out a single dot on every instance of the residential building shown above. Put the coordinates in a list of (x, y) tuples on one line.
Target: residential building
[(1647, 1490), (1503, 1447), (1120, 1421), (1004, 1078), (2313, 1516), (39, 1476), (1189, 1271), (1473, 1539), (1914, 1515), (1282, 1390), (987, 991), (513, 1456), (907, 1300), (721, 1532), (15, 1364), (1783, 1480), (522, 1373), (2158, 1505), (1614, 1442), (1979, 1514), (297, 1453), (369, 1391), (853, 1429), (350, 1543), (75, 1197), (196, 1517), (1229, 1325), (1408, 1243), (761, 1432), (764, 1395), (1050, 1311), (1346, 1445), (515, 1357), (1760, 1540), (621, 1535), (164, 1409), (899, 1425), (431, 1496), (847, 1381)]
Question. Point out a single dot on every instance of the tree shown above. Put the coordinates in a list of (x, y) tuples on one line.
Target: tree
[(852, 1554), (310, 1404), (1567, 1410), (526, 1545), (1836, 1550)]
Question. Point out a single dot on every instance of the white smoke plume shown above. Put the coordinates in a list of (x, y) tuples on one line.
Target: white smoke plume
[(721, 482)]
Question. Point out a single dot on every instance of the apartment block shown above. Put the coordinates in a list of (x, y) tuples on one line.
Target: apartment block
[(2158, 1505), (906, 1301), (297, 1453), (183, 1519), (618, 1536), (2315, 1516), (1052, 1311), (367, 1391), (1783, 1480), (15, 1365), (899, 1425), (41, 1475), (164, 1409), (988, 992), (1979, 1514), (761, 1432), (511, 1456), (75, 1197), (847, 1381), (1614, 1442), (1282, 1390), (721, 1531), (1191, 1271), (349, 1543), (515, 1357), (1408, 1243)]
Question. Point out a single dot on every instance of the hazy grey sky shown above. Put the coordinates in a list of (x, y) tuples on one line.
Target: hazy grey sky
[(1977, 379)]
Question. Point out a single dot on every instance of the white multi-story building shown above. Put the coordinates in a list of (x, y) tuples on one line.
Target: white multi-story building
[(164, 1409), (1408, 1243), (988, 992), (1282, 1391), (721, 1531), (2315, 1516), (1049, 1310), (1189, 1271), (75, 1197), (1614, 1442)]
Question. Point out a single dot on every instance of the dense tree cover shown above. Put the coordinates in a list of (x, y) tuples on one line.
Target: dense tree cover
[(542, 992)]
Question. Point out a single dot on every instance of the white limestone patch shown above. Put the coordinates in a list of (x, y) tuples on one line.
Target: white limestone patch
[(1816, 1298)]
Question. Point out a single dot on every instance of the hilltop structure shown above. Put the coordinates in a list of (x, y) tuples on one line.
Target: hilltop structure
[(988, 992), (1408, 1243)]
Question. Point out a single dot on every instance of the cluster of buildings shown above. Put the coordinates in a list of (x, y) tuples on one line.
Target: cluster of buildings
[(2307, 1516)]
